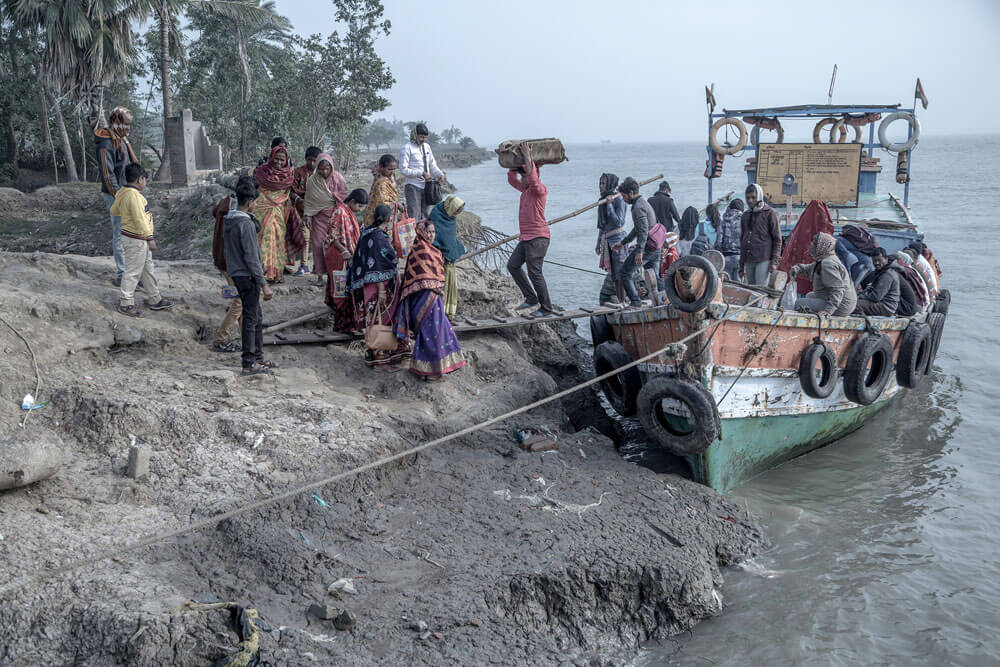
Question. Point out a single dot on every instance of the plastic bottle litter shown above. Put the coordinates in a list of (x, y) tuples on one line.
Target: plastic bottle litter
[(28, 403)]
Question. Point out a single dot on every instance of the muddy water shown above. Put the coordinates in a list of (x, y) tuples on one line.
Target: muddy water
[(885, 543)]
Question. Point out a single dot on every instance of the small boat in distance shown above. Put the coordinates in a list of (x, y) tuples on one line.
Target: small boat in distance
[(752, 384)]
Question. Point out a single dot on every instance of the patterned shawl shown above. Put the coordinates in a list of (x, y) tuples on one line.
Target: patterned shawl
[(270, 177), (425, 264), (119, 120), (374, 259), (323, 194)]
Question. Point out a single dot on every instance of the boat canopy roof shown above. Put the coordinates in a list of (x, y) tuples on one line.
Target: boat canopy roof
[(806, 110)]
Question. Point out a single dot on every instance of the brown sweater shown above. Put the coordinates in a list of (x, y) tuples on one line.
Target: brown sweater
[(760, 238), (218, 250)]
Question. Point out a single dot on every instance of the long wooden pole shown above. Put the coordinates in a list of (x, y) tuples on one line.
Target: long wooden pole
[(298, 320), (575, 213)]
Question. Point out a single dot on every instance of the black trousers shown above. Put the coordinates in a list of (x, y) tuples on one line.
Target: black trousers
[(532, 253), (253, 320)]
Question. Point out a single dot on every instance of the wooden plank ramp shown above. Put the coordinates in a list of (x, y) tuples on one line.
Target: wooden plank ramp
[(461, 325)]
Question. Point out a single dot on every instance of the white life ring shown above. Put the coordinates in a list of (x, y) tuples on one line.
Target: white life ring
[(841, 127), (819, 128), (755, 134), (914, 128), (713, 136)]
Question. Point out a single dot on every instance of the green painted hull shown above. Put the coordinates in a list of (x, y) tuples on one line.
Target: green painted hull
[(751, 445)]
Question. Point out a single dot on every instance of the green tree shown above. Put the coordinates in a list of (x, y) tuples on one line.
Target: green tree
[(466, 143)]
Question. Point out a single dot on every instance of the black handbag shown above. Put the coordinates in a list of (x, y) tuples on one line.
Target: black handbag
[(432, 189)]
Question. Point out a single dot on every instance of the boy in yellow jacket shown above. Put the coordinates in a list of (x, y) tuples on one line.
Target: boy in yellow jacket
[(137, 243)]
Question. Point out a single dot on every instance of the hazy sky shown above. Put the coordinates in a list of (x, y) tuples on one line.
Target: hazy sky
[(635, 71)]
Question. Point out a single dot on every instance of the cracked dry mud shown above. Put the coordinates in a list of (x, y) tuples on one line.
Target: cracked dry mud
[(574, 556)]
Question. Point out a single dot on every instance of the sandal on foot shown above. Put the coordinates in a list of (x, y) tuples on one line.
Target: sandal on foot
[(131, 311), (268, 364), (226, 347), (256, 369)]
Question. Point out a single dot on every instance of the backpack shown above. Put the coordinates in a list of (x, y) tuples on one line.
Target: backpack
[(701, 242), (861, 239)]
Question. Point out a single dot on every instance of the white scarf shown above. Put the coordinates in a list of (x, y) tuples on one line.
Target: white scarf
[(759, 206)]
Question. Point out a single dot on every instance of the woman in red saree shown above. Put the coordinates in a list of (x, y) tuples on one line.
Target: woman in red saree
[(325, 190), (339, 246), (274, 183)]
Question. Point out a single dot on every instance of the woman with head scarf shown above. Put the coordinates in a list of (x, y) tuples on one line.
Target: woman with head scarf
[(325, 190), (338, 247), (727, 241), (274, 183), (833, 290), (610, 232), (444, 216), (373, 279), (436, 351), (687, 230)]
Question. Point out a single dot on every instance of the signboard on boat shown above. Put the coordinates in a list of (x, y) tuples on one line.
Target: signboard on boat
[(827, 172)]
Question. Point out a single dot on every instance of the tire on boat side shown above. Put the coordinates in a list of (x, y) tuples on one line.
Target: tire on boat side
[(682, 436), (863, 385), (942, 302), (600, 330), (914, 351), (711, 283), (936, 322), (621, 389), (824, 385)]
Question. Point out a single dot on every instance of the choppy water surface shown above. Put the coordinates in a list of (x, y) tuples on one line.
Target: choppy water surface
[(886, 543)]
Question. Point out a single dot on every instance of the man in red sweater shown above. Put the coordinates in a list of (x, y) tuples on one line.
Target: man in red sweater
[(534, 236)]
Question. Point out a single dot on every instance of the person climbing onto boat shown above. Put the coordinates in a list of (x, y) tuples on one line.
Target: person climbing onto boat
[(760, 239), (727, 241), (610, 231), (444, 215), (420, 311), (666, 210), (534, 237), (833, 291), (648, 242), (879, 296)]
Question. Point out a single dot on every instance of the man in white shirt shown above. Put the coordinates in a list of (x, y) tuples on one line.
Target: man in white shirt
[(417, 163)]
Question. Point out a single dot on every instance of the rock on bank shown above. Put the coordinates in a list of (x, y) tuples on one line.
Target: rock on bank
[(506, 557)]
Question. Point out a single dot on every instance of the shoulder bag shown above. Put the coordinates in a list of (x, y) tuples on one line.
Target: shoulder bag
[(380, 336), (432, 189)]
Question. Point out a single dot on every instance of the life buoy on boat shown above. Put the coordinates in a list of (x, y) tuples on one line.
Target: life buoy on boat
[(600, 330), (691, 262), (691, 421), (819, 129), (823, 385), (911, 364), (622, 388), (755, 134), (869, 367), (906, 145), (841, 127), (936, 322), (713, 136)]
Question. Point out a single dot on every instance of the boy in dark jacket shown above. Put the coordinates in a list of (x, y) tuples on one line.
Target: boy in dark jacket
[(239, 239)]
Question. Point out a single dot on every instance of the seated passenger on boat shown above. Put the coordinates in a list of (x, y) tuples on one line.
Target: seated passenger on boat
[(880, 289), (833, 291), (913, 279), (909, 304), (924, 268)]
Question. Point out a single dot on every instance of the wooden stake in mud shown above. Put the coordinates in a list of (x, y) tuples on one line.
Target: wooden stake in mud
[(575, 213)]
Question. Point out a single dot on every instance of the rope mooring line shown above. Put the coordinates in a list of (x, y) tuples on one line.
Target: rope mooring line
[(42, 575)]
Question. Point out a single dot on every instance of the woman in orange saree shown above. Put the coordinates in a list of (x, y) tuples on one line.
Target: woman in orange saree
[(274, 183)]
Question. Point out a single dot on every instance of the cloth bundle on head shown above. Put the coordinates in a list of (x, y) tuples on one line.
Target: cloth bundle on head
[(798, 250), (424, 264), (452, 205), (823, 245), (272, 177), (322, 194)]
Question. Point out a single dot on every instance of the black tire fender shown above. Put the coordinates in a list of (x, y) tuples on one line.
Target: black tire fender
[(621, 389), (936, 322), (863, 385), (703, 424), (600, 330), (824, 385), (711, 283), (914, 351), (942, 302)]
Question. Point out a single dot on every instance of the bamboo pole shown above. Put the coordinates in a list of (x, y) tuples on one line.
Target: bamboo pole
[(575, 213), (298, 320)]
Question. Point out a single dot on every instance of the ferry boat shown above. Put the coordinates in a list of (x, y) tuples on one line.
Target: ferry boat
[(754, 384)]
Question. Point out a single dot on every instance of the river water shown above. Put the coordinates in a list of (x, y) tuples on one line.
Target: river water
[(885, 544)]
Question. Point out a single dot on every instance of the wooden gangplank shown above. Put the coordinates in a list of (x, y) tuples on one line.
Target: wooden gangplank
[(460, 324)]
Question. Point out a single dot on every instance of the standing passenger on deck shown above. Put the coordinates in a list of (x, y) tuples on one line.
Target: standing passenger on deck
[(444, 215), (325, 190), (114, 152), (610, 232), (880, 293), (534, 236), (760, 239), (644, 255), (833, 291), (666, 210), (687, 230), (727, 241), (416, 161)]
